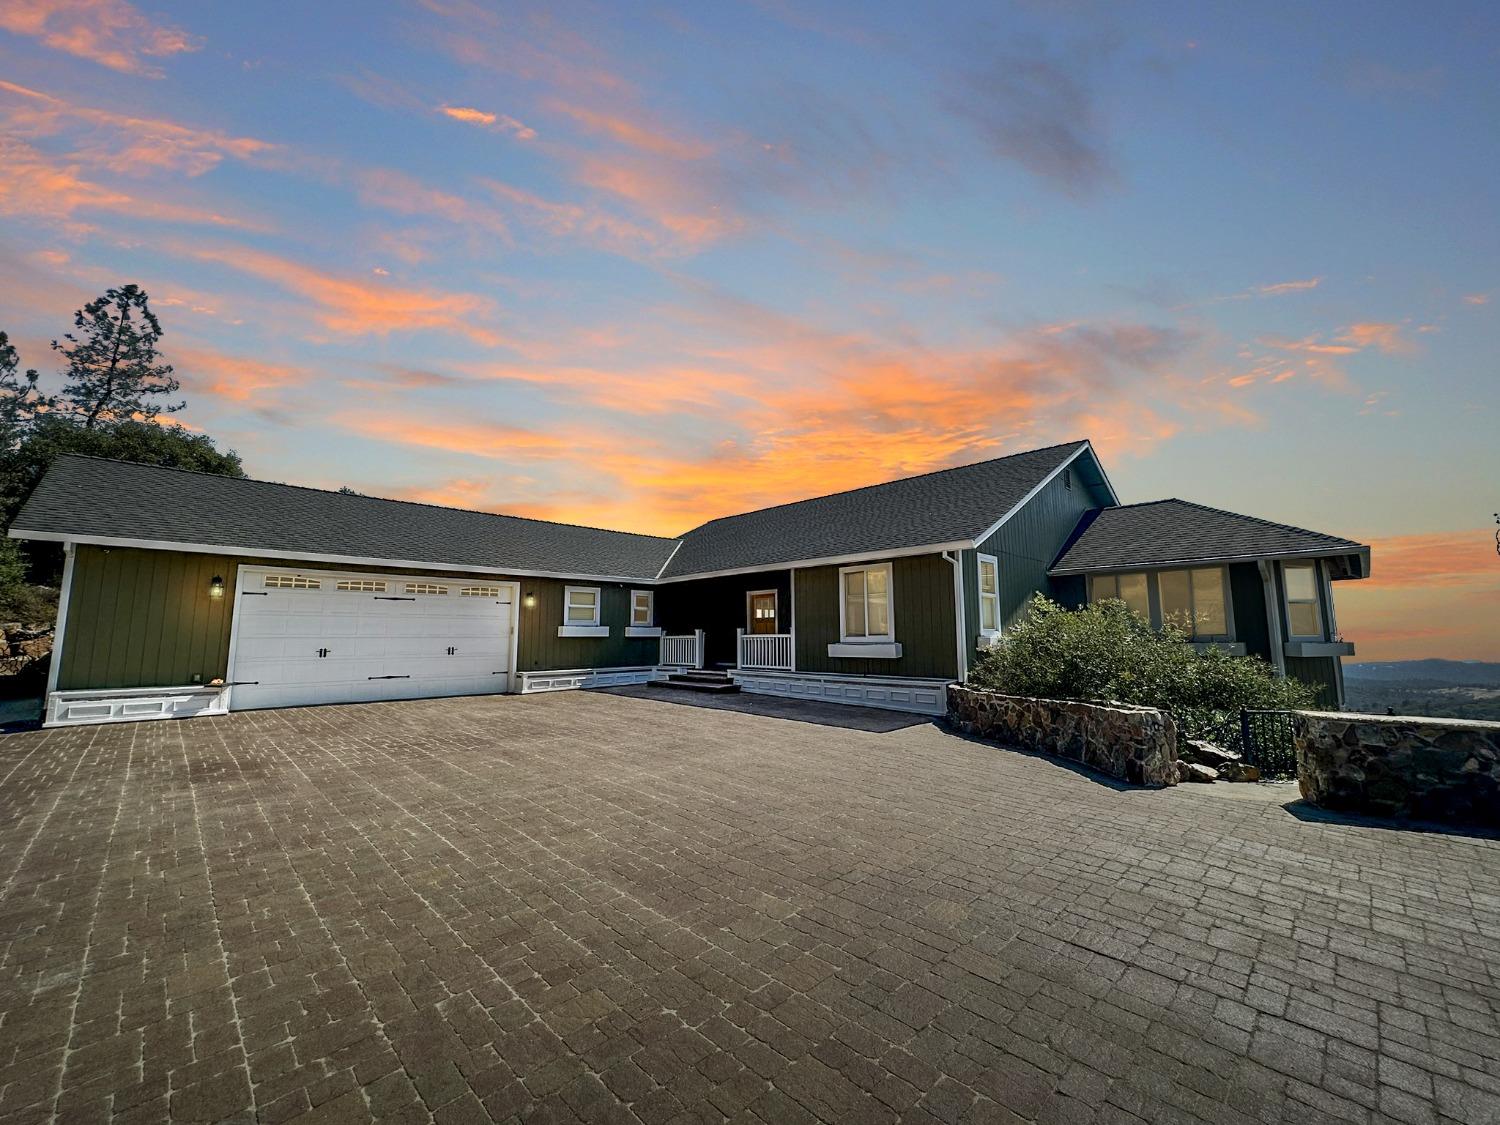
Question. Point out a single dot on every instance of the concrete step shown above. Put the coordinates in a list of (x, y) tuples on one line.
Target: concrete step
[(686, 682)]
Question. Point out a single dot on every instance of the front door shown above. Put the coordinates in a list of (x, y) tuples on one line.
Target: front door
[(763, 611)]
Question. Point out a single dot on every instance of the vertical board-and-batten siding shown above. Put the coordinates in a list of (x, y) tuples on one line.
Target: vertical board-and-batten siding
[(140, 618), (922, 604), (145, 619), (1025, 546)]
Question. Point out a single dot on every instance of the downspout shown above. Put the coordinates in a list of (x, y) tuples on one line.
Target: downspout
[(1273, 614), (956, 561)]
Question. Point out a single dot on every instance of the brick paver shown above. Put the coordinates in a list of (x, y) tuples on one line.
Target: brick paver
[(616, 908)]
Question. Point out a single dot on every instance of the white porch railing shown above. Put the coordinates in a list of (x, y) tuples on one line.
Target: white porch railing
[(682, 651), (769, 651)]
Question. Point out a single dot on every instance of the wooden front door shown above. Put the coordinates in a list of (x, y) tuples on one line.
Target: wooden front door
[(762, 610)]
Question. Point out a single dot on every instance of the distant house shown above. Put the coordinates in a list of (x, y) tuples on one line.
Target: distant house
[(882, 595)]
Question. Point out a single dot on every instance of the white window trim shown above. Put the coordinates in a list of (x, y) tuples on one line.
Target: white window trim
[(750, 596), (886, 639), (1317, 602), (650, 596), (568, 592), (980, 560)]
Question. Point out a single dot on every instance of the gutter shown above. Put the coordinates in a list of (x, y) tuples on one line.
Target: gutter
[(956, 561)]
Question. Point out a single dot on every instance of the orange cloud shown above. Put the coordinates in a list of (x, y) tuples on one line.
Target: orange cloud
[(478, 439), (574, 221), (398, 192), (235, 378), (471, 116), (120, 142), (1477, 299), (357, 306), (1381, 336), (635, 134), (1443, 558), (111, 33), (1283, 287), (39, 187)]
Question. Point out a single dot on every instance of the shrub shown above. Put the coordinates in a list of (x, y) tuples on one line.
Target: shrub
[(1107, 653)]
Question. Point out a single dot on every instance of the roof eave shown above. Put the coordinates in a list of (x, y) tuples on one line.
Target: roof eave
[(1355, 549), (362, 561)]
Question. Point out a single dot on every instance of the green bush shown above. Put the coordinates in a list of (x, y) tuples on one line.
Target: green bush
[(1108, 653)]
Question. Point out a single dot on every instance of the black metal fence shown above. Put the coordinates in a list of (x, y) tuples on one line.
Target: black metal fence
[(1263, 738)]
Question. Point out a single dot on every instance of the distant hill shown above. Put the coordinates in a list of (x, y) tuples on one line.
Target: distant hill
[(1455, 689), (1442, 671)]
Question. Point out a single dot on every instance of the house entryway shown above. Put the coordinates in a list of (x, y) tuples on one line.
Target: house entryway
[(305, 637)]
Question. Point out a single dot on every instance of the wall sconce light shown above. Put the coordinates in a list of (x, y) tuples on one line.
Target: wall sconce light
[(530, 600), (216, 587)]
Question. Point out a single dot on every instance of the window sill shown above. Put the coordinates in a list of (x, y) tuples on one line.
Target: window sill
[(988, 640), (1319, 648), (643, 630), (866, 650), (583, 630)]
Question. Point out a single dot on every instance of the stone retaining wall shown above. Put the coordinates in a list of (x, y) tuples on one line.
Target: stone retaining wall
[(1415, 768), (1135, 744)]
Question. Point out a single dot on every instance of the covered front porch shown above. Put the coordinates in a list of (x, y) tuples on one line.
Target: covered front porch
[(740, 621)]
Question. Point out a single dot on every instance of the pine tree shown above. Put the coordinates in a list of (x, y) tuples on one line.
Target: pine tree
[(113, 373), (20, 399)]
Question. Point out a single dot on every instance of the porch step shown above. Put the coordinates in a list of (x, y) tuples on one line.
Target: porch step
[(699, 681)]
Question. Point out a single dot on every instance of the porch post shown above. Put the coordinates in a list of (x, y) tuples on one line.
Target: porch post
[(698, 648), (739, 647)]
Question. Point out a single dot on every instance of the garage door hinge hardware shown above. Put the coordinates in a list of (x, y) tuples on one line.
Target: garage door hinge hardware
[(324, 651), (389, 598), (452, 651), (387, 677), (255, 594)]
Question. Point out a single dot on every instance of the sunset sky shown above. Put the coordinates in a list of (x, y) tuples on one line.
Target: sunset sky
[(642, 265)]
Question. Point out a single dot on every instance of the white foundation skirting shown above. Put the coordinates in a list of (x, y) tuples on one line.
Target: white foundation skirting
[(132, 705), (571, 678), (925, 697)]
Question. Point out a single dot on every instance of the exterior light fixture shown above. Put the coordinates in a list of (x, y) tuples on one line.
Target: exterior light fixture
[(216, 587), (530, 600)]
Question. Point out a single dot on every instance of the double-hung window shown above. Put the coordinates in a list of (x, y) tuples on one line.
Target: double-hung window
[(865, 604), (989, 595), (1304, 619), (581, 605), (642, 608), (1194, 601)]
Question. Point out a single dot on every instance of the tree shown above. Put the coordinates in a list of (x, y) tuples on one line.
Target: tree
[(113, 373), (146, 443), (20, 399)]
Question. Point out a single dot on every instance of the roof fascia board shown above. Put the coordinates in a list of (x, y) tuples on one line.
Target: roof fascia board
[(1043, 483), (307, 556), (1311, 552), (830, 560)]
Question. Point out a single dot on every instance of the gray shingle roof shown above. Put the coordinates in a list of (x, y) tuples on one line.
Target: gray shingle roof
[(97, 498), (948, 506), (1165, 532)]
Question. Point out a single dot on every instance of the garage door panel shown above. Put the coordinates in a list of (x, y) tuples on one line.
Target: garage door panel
[(377, 647)]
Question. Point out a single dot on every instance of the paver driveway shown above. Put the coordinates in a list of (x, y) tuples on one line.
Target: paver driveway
[(612, 907)]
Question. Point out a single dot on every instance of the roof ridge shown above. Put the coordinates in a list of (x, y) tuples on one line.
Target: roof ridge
[(364, 496), (883, 484)]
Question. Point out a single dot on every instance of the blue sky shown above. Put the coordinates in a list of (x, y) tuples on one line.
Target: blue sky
[(640, 266)]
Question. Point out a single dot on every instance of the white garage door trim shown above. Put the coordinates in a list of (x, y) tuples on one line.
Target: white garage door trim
[(257, 573)]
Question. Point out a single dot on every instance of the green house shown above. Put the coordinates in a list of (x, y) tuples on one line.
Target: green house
[(187, 594)]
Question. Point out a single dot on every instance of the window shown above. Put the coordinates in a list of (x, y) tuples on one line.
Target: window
[(989, 594), (642, 607), (425, 588), (581, 605), (360, 585), (865, 605), (1303, 618), (1194, 601), (479, 591), (292, 582), (1129, 588)]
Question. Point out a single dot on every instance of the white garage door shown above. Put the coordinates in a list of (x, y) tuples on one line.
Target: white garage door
[(306, 637)]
